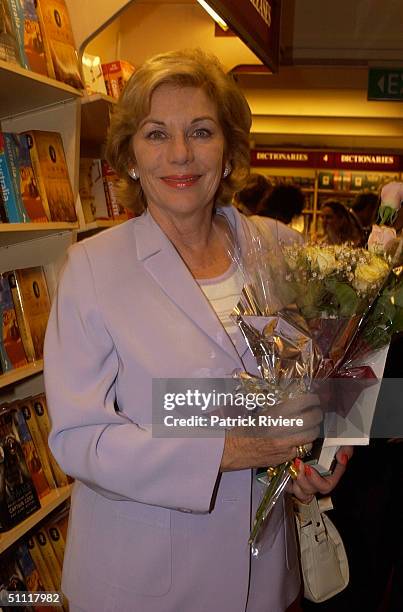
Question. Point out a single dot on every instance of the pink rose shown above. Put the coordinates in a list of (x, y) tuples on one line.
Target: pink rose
[(381, 239)]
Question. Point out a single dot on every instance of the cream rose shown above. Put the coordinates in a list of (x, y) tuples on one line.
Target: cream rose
[(321, 258), (370, 274)]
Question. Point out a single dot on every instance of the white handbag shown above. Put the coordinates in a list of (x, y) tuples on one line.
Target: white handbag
[(324, 561)]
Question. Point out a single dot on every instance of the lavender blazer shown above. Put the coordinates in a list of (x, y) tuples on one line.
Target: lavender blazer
[(153, 526)]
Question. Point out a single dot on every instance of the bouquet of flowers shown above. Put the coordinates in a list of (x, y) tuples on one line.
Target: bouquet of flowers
[(311, 325)]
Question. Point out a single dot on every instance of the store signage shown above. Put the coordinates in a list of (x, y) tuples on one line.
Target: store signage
[(385, 84), (296, 159), (325, 159), (257, 23), (366, 161)]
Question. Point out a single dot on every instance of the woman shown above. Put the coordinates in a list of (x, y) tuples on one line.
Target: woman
[(161, 524), (339, 224)]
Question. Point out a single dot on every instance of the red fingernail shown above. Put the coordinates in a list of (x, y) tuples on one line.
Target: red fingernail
[(344, 459), (297, 463), (308, 470)]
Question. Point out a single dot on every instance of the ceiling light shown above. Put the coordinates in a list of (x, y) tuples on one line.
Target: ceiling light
[(213, 14)]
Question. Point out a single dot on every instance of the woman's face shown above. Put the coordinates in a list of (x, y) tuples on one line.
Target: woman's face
[(179, 151), (330, 221)]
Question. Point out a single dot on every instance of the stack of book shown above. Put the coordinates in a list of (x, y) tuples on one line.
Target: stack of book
[(116, 74), (37, 35), (98, 186), (35, 563), (28, 469), (34, 179)]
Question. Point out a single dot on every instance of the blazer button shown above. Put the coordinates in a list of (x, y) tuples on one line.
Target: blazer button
[(185, 510)]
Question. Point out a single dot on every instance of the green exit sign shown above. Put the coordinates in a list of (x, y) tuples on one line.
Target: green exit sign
[(385, 84)]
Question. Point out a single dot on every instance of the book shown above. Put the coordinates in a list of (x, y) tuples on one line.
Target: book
[(36, 554), (57, 30), (12, 353), (29, 36), (41, 446), (35, 304), (31, 202), (93, 75), (51, 173), (42, 417), (20, 314), (85, 189), (9, 48), (12, 578), (116, 75), (30, 572), (18, 497), (31, 455), (3, 214), (57, 541), (101, 204), (111, 182), (7, 182), (53, 566)]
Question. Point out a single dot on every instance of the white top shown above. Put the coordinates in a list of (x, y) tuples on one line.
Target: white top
[(223, 292)]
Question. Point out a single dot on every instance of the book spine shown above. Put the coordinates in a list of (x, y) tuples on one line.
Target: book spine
[(3, 214), (21, 319), (7, 186), (13, 155), (37, 557), (10, 336), (9, 49), (49, 556), (31, 200), (57, 541), (41, 448), (36, 165), (46, 44), (17, 14)]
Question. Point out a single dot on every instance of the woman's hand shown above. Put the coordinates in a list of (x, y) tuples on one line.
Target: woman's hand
[(309, 482), (264, 446)]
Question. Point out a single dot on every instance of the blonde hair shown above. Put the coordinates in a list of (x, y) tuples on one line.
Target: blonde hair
[(186, 68)]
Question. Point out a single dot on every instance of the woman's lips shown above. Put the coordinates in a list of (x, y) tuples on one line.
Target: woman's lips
[(181, 182)]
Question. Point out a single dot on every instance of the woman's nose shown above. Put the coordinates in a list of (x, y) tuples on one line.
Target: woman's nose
[(180, 150)]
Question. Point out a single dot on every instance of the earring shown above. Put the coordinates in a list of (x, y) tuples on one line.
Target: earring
[(227, 170), (133, 174)]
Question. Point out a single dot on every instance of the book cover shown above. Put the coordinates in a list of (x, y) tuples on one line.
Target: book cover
[(18, 497), (21, 320), (36, 553), (56, 26), (53, 566), (93, 75), (28, 189), (118, 73), (35, 300), (9, 48), (12, 578), (3, 214), (85, 189), (11, 200), (42, 447), (51, 173), (12, 353), (12, 149), (30, 453), (42, 417)]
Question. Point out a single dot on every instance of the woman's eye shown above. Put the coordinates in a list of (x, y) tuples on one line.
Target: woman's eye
[(156, 135), (202, 133)]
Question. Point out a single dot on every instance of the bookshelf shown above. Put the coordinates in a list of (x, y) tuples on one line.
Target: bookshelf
[(19, 374), (23, 91), (48, 503)]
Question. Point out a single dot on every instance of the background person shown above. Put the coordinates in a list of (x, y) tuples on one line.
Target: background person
[(161, 524), (339, 225), (249, 199)]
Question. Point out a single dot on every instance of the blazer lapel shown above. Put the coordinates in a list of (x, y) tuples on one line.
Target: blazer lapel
[(165, 265)]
